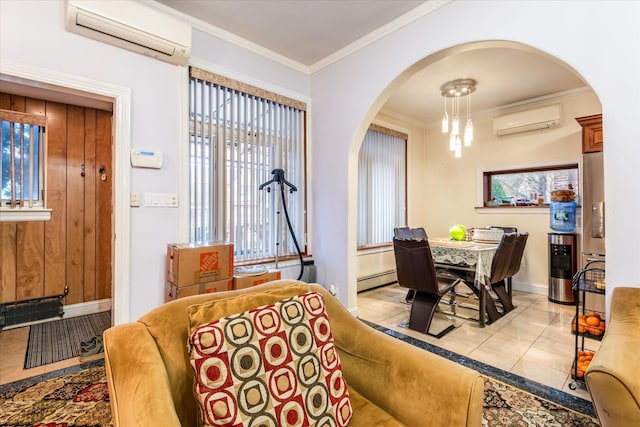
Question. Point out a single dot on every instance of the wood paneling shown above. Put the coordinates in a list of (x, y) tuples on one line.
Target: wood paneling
[(73, 249), (56, 228), (104, 207), (90, 203)]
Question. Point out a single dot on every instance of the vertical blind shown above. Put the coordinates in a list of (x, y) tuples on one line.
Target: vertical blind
[(22, 166), (381, 186), (238, 135)]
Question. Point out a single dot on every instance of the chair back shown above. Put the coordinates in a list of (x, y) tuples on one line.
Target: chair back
[(518, 252), (404, 233), (414, 265), (502, 258)]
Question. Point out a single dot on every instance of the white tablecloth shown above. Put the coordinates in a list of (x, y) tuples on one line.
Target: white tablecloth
[(473, 255)]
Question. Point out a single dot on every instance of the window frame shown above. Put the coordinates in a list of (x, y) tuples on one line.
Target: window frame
[(29, 209), (488, 174)]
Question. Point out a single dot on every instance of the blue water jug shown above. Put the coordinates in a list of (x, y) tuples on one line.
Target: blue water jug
[(563, 216)]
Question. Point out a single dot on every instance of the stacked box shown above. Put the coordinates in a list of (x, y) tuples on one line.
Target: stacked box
[(194, 263), (173, 292), (241, 282), (198, 268)]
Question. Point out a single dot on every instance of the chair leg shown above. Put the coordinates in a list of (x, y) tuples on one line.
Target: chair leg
[(490, 306), (410, 294), (503, 296), (422, 310)]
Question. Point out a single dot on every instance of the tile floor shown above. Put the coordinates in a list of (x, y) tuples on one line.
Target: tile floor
[(533, 341), (13, 348)]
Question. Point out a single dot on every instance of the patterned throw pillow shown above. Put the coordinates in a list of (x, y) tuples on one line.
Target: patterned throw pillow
[(274, 365)]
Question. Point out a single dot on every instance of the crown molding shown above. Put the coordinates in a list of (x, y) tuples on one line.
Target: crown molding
[(391, 27), (503, 109), (406, 19), (229, 37)]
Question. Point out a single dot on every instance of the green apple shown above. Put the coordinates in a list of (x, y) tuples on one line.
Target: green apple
[(457, 232)]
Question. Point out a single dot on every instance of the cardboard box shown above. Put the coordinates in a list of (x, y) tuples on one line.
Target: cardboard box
[(173, 292), (194, 263), (241, 282)]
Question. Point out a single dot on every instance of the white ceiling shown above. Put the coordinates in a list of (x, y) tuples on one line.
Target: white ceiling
[(311, 31)]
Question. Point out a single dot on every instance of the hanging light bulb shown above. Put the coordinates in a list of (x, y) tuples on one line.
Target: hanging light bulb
[(468, 128), (445, 117), (455, 123), (458, 148), (468, 133), (452, 141)]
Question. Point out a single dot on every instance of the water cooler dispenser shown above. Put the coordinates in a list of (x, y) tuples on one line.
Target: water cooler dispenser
[(563, 264)]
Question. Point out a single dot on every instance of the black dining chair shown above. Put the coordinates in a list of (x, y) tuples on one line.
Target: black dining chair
[(416, 271), (499, 270), (502, 288), (404, 233)]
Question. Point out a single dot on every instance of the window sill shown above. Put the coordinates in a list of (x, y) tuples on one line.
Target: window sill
[(513, 209), (21, 215)]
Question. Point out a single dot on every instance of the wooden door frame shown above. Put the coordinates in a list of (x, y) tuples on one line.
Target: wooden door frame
[(121, 97)]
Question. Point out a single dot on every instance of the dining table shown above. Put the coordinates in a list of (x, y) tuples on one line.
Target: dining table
[(470, 256)]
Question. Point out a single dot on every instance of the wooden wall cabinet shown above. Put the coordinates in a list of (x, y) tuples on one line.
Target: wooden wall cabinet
[(591, 133)]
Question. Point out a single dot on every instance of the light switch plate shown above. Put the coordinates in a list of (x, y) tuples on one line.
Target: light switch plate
[(161, 200), (135, 200)]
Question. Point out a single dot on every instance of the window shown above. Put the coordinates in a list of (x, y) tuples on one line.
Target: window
[(238, 135), (382, 180), (23, 165), (530, 186)]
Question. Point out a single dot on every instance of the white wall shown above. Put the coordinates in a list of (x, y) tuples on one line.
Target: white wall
[(592, 37), (32, 36)]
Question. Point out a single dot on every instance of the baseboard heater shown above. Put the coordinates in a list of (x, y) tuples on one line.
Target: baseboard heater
[(31, 310), (378, 279)]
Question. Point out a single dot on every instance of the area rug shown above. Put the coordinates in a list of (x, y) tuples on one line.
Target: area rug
[(51, 342), (503, 384), (81, 398)]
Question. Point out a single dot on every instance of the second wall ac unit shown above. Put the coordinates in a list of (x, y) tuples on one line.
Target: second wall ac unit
[(133, 26), (525, 121)]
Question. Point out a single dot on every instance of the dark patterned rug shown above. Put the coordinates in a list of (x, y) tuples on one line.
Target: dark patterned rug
[(51, 342), (78, 397)]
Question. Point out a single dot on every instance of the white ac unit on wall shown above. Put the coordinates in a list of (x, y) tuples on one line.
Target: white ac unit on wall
[(131, 25), (525, 121)]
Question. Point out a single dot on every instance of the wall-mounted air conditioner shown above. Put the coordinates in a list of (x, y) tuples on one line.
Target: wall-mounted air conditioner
[(525, 121), (133, 26)]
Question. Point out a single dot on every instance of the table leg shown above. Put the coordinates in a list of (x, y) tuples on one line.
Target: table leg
[(482, 303)]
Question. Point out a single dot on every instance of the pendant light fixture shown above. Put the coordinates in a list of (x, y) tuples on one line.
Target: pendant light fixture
[(454, 90)]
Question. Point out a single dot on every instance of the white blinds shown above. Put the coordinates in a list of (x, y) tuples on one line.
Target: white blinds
[(236, 140), (381, 186)]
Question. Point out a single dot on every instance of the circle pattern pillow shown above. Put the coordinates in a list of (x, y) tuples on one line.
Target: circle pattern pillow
[(274, 365)]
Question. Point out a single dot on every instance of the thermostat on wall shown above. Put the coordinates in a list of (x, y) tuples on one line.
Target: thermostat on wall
[(146, 159)]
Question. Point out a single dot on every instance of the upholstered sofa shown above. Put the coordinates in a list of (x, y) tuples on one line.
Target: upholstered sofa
[(613, 376), (390, 383)]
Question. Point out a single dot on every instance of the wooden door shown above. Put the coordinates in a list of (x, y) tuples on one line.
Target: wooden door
[(73, 251)]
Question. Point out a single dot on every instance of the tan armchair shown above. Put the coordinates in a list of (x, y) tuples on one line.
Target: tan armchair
[(613, 376), (391, 383)]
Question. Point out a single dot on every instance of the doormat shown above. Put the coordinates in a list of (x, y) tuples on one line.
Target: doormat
[(51, 342)]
